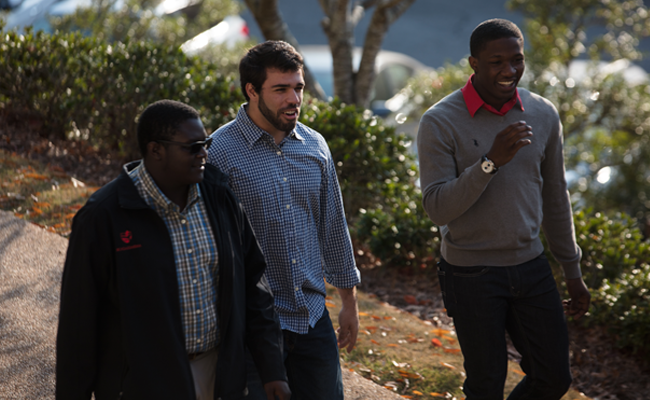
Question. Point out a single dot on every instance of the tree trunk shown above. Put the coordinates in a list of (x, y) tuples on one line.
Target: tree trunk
[(339, 28), (268, 17), (338, 24), (385, 14)]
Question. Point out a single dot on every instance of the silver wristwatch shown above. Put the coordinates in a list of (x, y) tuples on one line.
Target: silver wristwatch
[(488, 166)]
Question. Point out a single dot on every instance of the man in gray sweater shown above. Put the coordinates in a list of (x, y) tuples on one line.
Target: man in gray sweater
[(492, 174)]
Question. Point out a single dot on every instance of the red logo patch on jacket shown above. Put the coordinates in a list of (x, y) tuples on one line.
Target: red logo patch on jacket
[(126, 236)]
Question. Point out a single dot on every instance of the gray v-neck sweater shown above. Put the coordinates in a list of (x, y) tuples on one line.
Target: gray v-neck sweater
[(495, 220)]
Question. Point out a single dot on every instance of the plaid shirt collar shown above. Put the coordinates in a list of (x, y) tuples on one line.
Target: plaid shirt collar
[(253, 133), (155, 197)]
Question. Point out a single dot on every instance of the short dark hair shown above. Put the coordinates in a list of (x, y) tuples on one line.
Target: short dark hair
[(272, 54), (490, 30), (160, 120)]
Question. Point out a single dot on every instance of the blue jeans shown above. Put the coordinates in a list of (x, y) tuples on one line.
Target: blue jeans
[(523, 300), (312, 362)]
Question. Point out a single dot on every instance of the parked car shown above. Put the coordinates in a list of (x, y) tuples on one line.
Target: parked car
[(231, 30), (36, 13), (393, 70)]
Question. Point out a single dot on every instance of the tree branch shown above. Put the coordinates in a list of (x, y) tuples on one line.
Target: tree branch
[(269, 19), (385, 14)]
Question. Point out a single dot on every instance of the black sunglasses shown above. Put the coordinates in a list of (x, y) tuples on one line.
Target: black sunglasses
[(193, 148)]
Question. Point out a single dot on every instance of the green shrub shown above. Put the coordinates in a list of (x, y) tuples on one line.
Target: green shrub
[(80, 87), (369, 156), (614, 265), (401, 234)]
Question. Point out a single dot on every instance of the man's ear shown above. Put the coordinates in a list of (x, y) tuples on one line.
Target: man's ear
[(250, 91), (155, 150), (473, 62)]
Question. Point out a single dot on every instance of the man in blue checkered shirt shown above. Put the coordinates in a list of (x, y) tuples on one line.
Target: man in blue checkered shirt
[(283, 173)]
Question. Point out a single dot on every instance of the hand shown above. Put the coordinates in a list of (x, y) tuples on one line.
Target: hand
[(508, 142), (578, 305), (277, 389), (348, 319)]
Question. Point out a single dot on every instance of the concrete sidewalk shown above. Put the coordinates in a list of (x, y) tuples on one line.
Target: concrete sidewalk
[(31, 263)]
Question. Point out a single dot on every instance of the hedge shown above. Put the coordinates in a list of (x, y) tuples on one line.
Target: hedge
[(80, 87)]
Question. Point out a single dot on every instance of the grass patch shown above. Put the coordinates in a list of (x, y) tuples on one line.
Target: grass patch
[(409, 356), (41, 194)]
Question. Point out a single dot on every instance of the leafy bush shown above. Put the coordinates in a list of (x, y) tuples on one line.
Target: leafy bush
[(615, 268), (369, 156), (80, 87)]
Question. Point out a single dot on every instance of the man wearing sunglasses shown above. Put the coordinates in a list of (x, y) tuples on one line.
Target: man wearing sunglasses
[(163, 285)]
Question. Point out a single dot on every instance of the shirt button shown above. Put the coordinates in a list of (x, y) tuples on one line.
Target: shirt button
[(288, 206), (198, 311), (198, 340), (296, 288), (194, 281), (279, 153), (284, 179), (183, 221), (189, 251), (293, 261)]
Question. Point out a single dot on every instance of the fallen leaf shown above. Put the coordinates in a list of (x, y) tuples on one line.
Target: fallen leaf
[(393, 345), (406, 396), (375, 317), (450, 339), (388, 317), (375, 342), (42, 204), (439, 332), (363, 314), (418, 392), (70, 216), (436, 342), (444, 364), (410, 299), (328, 304), (452, 351), (436, 394), (35, 176), (516, 371), (328, 297)]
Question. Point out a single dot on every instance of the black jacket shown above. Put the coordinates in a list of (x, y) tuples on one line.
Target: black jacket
[(120, 333)]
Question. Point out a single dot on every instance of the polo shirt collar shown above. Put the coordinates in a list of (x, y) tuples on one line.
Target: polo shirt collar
[(252, 133), (474, 102)]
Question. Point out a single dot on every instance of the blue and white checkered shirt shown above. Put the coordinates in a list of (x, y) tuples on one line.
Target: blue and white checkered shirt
[(291, 195), (196, 258)]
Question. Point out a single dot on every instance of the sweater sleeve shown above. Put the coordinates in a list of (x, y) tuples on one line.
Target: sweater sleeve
[(446, 192), (557, 222)]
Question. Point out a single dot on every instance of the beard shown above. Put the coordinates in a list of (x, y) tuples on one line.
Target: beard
[(274, 119)]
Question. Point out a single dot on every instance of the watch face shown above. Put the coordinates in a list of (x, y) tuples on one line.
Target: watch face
[(487, 166)]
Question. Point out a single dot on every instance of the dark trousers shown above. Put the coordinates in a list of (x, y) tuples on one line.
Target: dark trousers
[(523, 300), (312, 362)]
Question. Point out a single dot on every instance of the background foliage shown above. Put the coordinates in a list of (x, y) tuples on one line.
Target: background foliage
[(79, 87)]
